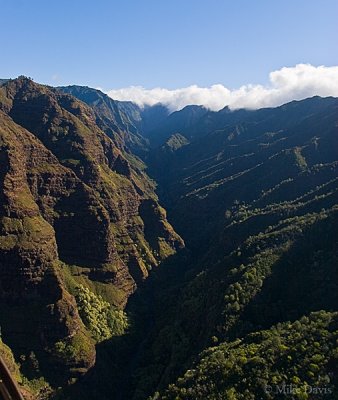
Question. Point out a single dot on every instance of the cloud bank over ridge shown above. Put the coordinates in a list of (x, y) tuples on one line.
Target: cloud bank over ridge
[(286, 84)]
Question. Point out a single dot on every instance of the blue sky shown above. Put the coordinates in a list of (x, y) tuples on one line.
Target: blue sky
[(171, 44)]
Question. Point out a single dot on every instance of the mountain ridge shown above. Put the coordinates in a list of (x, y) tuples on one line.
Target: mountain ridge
[(93, 213), (250, 303)]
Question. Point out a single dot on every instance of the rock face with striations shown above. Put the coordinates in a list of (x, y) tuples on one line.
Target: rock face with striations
[(68, 197), (31, 287)]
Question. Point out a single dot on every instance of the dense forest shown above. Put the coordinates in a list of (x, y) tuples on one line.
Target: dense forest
[(186, 255)]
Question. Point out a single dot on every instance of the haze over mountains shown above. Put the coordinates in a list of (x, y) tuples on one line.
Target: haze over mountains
[(167, 255)]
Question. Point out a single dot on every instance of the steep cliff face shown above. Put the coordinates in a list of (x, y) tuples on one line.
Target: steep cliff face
[(102, 212), (111, 118), (31, 288), (132, 127), (72, 209)]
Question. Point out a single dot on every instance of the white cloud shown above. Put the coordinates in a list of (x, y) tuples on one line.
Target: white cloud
[(286, 84)]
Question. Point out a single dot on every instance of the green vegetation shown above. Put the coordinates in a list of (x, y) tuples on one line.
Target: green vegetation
[(74, 349), (73, 276), (301, 354), (37, 387), (9, 360), (102, 320), (175, 142)]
